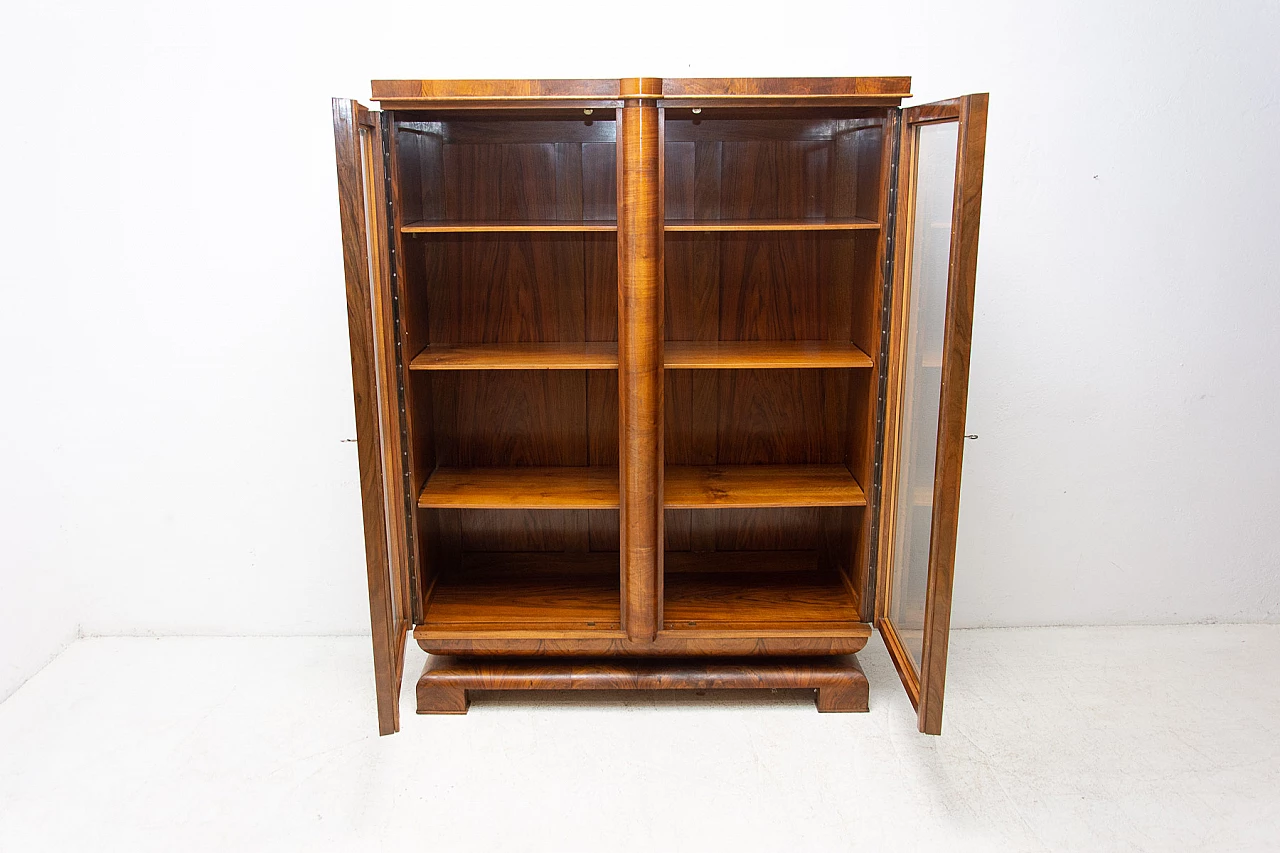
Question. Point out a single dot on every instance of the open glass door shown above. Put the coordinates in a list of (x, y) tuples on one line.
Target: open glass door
[(940, 162), (366, 260)]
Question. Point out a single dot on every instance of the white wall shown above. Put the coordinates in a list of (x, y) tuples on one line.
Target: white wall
[(183, 393)]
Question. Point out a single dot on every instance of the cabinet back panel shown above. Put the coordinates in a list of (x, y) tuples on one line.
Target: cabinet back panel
[(456, 533), (524, 417), (772, 168), (536, 168), (517, 288), (510, 288), (767, 529), (756, 417), (499, 418), (765, 286)]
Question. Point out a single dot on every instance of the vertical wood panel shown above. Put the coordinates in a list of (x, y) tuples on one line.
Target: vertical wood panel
[(640, 266), (954, 403), (874, 162), (415, 167), (366, 268)]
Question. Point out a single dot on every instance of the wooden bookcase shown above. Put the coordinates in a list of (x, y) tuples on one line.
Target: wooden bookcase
[(659, 383)]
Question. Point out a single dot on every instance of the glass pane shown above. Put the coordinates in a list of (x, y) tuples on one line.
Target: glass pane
[(926, 295)]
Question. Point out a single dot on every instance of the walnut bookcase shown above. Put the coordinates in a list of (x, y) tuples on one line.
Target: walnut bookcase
[(659, 383)]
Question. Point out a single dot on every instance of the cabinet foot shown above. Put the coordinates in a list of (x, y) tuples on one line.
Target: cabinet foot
[(438, 697), (843, 698), (446, 681)]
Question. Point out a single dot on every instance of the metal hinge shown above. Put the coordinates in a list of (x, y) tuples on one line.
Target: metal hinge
[(886, 322), (406, 478)]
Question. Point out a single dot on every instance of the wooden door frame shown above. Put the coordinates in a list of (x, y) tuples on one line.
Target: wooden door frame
[(925, 688), (366, 266)]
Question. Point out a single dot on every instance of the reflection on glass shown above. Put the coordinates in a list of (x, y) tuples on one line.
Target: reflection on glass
[(926, 295)]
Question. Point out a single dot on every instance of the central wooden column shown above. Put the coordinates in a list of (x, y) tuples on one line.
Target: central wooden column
[(640, 335)]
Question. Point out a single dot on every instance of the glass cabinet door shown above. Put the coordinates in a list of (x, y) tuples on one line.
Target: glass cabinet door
[(940, 163), (366, 262)]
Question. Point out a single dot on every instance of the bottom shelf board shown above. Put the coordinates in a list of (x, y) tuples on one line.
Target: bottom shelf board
[(762, 593), (578, 595), (526, 594)]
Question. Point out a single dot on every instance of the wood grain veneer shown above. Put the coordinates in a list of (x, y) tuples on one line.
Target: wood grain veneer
[(617, 352), (640, 268), (722, 355), (521, 488), (813, 224), (446, 683), (760, 486), (588, 355), (501, 226)]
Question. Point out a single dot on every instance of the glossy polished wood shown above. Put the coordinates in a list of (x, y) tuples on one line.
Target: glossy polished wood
[(475, 300), (366, 265), (526, 595), (869, 146), (640, 267), (498, 226), (414, 442), (540, 596), (588, 355), (759, 603), (446, 682), (760, 486), (955, 392), (926, 686), (686, 486), (672, 92), (813, 224), (666, 644), (762, 355), (639, 333), (436, 90), (769, 308), (521, 488), (481, 94), (785, 87)]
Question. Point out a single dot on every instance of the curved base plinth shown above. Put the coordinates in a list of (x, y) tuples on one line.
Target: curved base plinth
[(446, 682)]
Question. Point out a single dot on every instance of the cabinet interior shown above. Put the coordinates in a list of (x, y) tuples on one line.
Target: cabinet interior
[(772, 323), (509, 323)]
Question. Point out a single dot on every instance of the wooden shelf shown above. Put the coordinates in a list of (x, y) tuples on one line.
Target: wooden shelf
[(441, 226), (521, 488), (685, 487), (547, 594), (760, 486), (780, 593), (554, 356), (824, 224), (720, 355), (564, 595)]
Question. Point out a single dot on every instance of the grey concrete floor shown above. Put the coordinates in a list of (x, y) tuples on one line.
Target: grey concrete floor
[(1097, 739)]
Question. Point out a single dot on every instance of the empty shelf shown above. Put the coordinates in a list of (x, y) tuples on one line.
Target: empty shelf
[(760, 486), (762, 354), (521, 488), (822, 224), (554, 356), (510, 594), (439, 226), (791, 601)]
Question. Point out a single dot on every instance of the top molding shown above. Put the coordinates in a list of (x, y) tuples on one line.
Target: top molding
[(668, 92)]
